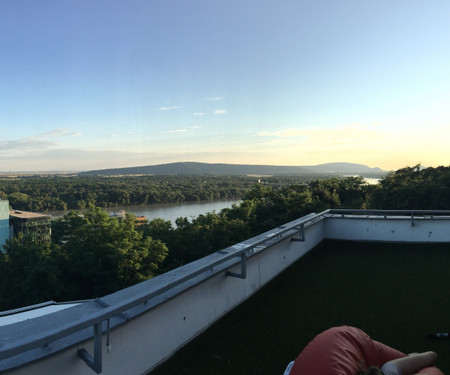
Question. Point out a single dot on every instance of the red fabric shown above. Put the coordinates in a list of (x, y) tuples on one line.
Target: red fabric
[(341, 351), (431, 371)]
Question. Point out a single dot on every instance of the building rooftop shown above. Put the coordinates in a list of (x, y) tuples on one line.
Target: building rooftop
[(27, 215), (31, 312)]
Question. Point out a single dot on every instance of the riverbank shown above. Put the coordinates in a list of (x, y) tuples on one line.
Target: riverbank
[(168, 211)]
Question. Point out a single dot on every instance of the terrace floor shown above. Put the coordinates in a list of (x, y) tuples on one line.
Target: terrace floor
[(397, 293)]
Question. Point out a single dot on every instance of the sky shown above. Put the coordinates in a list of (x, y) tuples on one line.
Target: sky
[(93, 84)]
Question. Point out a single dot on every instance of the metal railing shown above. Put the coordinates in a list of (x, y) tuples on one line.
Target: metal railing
[(387, 214), (194, 272), (226, 258)]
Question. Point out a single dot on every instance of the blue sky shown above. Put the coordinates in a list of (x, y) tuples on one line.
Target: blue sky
[(91, 84)]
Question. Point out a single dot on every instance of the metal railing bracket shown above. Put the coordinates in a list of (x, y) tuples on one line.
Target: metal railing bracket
[(95, 363), (301, 237), (243, 274)]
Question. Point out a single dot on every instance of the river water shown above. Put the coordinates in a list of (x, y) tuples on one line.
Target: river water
[(169, 211), (172, 211)]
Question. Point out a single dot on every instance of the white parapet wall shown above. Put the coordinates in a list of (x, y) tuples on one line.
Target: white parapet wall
[(387, 228), (151, 320), (149, 333)]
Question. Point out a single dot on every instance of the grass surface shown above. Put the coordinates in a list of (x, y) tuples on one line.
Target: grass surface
[(396, 293)]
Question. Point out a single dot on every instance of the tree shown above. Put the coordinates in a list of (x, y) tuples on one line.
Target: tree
[(353, 192), (413, 188), (19, 201), (104, 254), (29, 273)]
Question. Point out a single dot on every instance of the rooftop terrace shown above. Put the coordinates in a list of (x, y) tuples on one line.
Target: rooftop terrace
[(396, 293)]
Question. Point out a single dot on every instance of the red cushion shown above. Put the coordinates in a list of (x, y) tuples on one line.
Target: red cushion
[(341, 351)]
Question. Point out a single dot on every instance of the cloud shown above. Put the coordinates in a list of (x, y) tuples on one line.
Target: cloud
[(169, 108), (352, 143), (198, 114), (343, 135), (185, 130), (284, 133), (59, 132), (71, 159), (25, 146), (220, 112), (34, 146), (214, 98)]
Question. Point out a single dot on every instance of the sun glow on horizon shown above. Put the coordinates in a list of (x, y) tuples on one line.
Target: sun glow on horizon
[(298, 84)]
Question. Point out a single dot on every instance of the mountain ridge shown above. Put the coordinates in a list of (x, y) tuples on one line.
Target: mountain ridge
[(198, 168)]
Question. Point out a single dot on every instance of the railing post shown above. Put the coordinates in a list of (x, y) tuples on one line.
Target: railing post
[(301, 237), (96, 362), (243, 274)]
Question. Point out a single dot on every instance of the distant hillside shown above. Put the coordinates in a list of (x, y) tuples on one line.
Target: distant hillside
[(193, 168)]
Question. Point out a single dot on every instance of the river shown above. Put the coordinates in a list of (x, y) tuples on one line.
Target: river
[(171, 211)]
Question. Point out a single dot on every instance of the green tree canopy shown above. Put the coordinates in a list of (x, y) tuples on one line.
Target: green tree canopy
[(413, 188), (29, 273), (94, 255), (104, 254)]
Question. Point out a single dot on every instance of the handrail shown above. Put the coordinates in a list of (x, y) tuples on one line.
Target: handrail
[(15, 347), (222, 259), (348, 211)]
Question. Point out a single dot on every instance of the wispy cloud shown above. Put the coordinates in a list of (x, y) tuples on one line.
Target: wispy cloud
[(36, 144), (178, 131), (353, 142), (220, 112), (198, 114), (184, 130), (214, 98), (59, 132), (284, 133), (169, 108), (24, 146), (346, 134)]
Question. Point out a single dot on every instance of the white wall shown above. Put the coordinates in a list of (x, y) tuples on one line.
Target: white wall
[(394, 229), (143, 342), (149, 339)]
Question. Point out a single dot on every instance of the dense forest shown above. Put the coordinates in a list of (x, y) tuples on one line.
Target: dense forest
[(93, 254), (60, 193)]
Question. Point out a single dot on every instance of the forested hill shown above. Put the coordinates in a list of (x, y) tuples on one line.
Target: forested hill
[(193, 168)]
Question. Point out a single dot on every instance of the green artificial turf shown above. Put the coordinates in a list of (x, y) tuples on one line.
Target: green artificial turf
[(396, 293)]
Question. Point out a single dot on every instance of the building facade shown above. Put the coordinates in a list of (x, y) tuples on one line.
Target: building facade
[(34, 227), (4, 221)]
